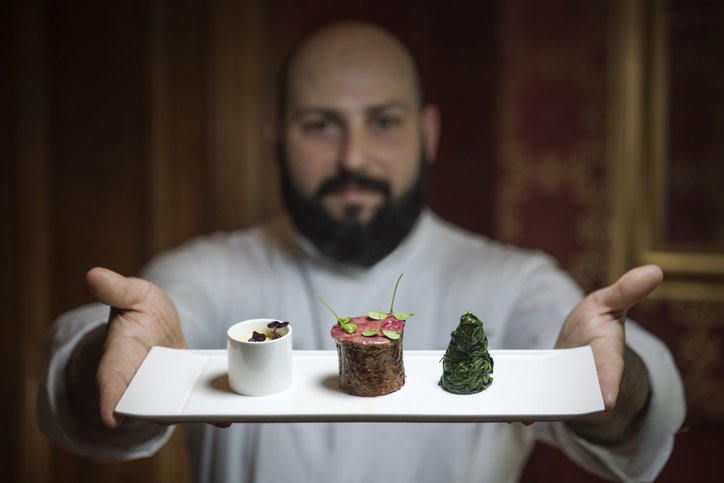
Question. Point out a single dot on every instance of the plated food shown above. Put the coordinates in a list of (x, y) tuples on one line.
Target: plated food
[(467, 364), (370, 365), (369, 349)]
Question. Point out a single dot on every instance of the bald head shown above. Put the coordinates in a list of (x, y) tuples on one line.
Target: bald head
[(349, 60)]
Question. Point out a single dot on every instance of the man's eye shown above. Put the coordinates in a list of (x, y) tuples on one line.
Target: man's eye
[(386, 122), (317, 125)]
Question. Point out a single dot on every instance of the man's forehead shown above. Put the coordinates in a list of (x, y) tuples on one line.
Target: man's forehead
[(352, 68), (351, 87), (350, 92)]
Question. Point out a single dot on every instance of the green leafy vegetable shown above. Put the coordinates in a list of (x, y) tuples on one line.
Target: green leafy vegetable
[(467, 365)]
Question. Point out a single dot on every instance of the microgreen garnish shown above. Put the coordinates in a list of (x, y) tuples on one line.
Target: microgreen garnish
[(274, 326), (391, 334), (380, 316), (257, 337), (344, 322), (377, 315)]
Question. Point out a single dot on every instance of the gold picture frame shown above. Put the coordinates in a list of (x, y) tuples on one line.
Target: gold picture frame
[(638, 157)]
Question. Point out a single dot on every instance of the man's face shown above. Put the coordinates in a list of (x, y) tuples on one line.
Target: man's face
[(352, 135)]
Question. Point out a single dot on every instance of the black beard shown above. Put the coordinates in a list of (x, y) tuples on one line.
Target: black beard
[(350, 241)]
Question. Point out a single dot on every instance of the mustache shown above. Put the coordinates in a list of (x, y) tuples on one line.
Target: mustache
[(348, 178)]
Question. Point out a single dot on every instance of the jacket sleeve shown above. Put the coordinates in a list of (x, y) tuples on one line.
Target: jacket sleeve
[(56, 419), (643, 458)]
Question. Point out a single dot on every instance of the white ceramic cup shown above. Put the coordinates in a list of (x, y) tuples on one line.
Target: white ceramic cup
[(259, 368)]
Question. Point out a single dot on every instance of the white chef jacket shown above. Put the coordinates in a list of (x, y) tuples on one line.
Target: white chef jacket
[(269, 271)]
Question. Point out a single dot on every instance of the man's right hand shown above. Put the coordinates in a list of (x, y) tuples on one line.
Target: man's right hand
[(141, 316)]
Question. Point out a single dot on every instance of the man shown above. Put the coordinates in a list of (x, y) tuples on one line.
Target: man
[(354, 141)]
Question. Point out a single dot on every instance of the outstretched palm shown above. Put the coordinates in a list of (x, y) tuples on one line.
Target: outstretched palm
[(598, 320), (141, 316)]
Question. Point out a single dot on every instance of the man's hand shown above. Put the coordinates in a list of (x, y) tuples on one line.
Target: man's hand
[(598, 321), (141, 316)]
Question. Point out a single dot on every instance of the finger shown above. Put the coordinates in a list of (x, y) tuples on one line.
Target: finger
[(114, 289), (609, 367), (111, 386), (115, 371), (631, 288)]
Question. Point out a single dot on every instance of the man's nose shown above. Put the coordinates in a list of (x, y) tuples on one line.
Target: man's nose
[(354, 151)]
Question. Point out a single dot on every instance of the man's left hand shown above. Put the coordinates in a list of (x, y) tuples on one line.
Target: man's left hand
[(598, 321)]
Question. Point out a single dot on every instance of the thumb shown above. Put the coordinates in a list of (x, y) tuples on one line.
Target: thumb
[(114, 289), (632, 287)]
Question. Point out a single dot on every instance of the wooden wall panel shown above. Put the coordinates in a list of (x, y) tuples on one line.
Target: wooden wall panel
[(242, 58), (98, 97), (97, 106), (11, 329), (110, 161), (26, 294), (77, 189), (178, 163)]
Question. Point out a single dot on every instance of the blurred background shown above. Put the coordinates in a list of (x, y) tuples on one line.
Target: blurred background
[(593, 130)]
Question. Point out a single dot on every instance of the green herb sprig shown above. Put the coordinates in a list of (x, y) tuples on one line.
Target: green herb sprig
[(380, 316), (467, 364), (344, 322)]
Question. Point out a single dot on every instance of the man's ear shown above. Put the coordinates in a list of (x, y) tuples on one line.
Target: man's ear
[(431, 131)]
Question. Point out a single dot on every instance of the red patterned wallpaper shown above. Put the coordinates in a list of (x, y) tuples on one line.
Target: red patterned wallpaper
[(553, 191), (551, 141)]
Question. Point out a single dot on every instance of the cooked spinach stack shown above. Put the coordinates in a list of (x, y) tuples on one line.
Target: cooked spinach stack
[(467, 367)]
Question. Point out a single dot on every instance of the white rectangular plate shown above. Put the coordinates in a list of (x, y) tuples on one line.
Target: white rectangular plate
[(191, 385)]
